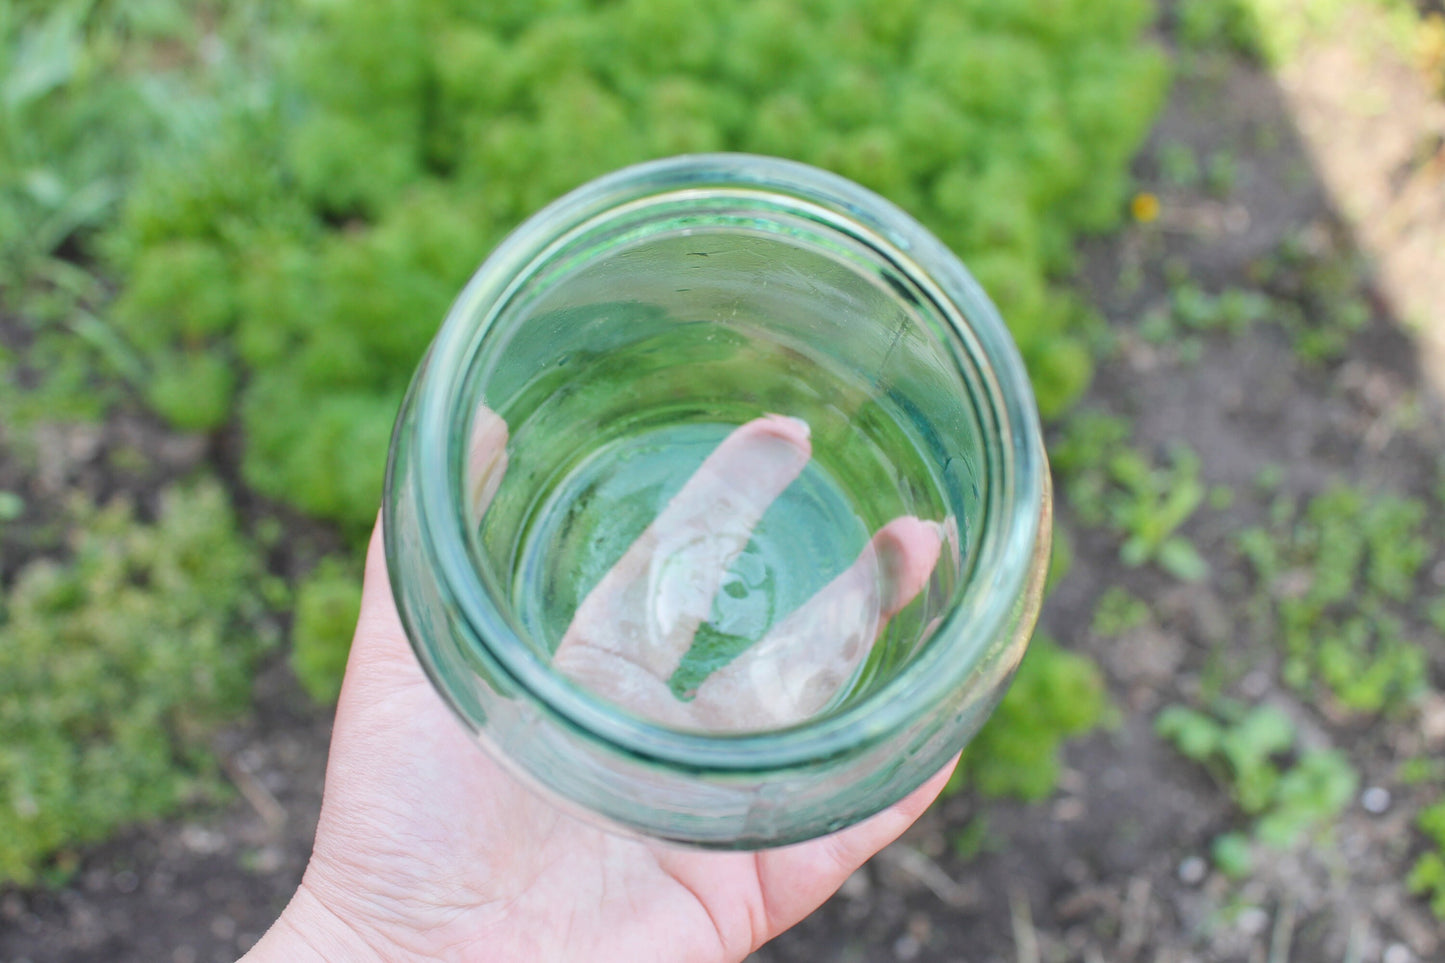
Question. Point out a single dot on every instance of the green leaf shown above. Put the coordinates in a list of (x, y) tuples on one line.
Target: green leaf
[(1233, 855), (1180, 558), (1056, 695), (327, 604), (1193, 733)]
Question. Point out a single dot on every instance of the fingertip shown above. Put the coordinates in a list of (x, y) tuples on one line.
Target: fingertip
[(908, 550), (486, 458), (786, 427)]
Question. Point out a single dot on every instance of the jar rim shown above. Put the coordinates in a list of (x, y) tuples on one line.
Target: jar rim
[(1011, 494)]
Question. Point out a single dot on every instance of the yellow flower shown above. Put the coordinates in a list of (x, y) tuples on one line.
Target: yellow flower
[(1144, 207)]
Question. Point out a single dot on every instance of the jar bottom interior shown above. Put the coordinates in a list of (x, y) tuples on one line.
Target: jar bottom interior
[(612, 405)]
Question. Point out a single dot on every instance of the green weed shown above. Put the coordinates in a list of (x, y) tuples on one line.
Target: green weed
[(1252, 753), (1317, 291), (1420, 770), (1435, 612), (1178, 165), (1208, 25), (1056, 695), (1329, 584), (1221, 174), (1193, 314), (287, 218), (327, 603), (1119, 611), (116, 666), (1111, 484), (1427, 878), (974, 838)]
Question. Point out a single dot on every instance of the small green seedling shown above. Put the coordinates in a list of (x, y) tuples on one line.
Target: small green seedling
[(1117, 612), (1319, 295), (1111, 484), (1178, 166), (1332, 583), (1150, 506), (1427, 878), (1286, 793), (1221, 173)]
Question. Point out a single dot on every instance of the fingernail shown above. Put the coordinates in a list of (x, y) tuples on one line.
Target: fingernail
[(797, 424)]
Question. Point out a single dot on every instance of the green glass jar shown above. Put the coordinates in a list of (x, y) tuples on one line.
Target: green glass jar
[(601, 362)]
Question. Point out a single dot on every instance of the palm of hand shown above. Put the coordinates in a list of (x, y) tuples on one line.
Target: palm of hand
[(427, 847)]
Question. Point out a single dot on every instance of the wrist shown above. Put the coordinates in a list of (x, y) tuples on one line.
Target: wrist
[(310, 930)]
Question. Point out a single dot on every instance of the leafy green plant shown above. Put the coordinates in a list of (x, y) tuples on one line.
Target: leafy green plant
[(1119, 611), (327, 603), (1192, 313), (1109, 483), (1221, 173), (116, 666), (1151, 504), (1216, 25), (1436, 614), (1080, 458), (1178, 165), (1419, 770), (1252, 753), (91, 92), (1330, 589), (1427, 878), (974, 838), (1056, 695), (1317, 288), (320, 234)]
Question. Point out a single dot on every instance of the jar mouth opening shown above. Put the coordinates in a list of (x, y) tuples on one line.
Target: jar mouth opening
[(1010, 494)]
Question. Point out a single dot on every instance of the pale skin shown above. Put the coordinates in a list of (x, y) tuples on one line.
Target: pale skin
[(427, 849)]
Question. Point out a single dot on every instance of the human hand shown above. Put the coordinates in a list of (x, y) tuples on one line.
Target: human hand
[(427, 848)]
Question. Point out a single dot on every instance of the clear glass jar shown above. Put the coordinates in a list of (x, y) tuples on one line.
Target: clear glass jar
[(659, 303)]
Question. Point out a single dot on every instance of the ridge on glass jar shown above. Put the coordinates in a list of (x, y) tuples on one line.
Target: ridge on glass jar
[(718, 509)]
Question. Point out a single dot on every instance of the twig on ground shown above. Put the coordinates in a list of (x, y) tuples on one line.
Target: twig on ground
[(1026, 941), (1283, 934), (272, 813)]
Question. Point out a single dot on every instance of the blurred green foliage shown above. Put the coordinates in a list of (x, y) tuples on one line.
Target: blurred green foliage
[(1428, 875), (1217, 25), (91, 92), (313, 244), (1119, 611), (1318, 297), (1110, 484), (327, 604), (1056, 695), (115, 668), (1192, 314), (1287, 792), (1332, 582)]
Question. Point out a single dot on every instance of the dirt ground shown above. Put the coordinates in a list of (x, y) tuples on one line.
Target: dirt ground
[(1115, 867)]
